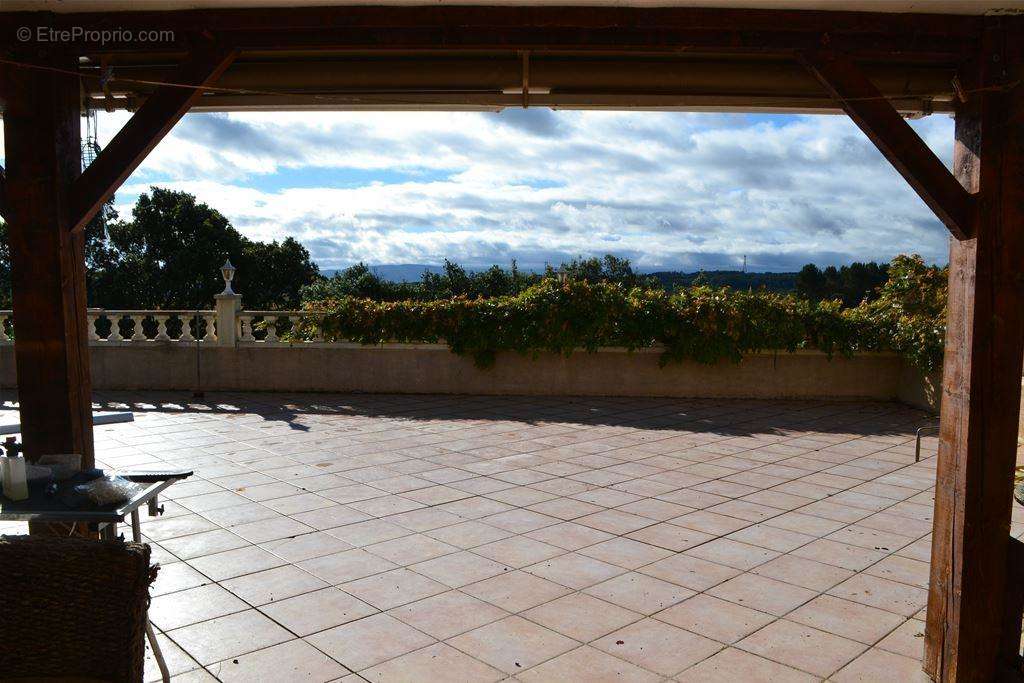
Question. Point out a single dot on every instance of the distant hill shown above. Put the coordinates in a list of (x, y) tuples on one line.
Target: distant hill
[(669, 279), (775, 282), (395, 272)]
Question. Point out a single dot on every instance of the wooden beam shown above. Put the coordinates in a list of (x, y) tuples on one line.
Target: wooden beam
[(145, 129), (968, 589), (903, 37), (3, 194), (894, 138), (43, 157)]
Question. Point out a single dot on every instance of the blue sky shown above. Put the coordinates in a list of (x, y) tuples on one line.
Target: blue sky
[(667, 190)]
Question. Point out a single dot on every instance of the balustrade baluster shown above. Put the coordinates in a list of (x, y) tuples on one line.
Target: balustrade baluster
[(211, 335), (115, 329), (245, 328), (161, 328), (137, 334), (186, 328), (271, 321), (3, 328)]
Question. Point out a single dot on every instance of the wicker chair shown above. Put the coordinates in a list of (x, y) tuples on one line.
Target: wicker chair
[(73, 608)]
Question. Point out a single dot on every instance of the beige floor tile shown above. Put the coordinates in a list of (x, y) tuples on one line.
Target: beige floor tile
[(295, 660), (512, 644), (762, 593), (640, 592), (657, 646), (714, 618), (625, 552), (690, 572), (317, 611), (903, 570), (733, 553), (364, 643), (410, 549), (348, 565), (570, 535), (581, 617), (736, 666), (805, 524), (879, 666), (803, 572), (393, 588), (574, 570), (710, 522), (906, 640), (176, 577), (468, 534), (205, 543), (659, 510), (176, 659), (173, 527), (615, 522), (802, 647), (589, 665), (565, 508), (236, 562), (848, 619), (306, 546), (329, 517), (781, 540), (448, 614), (369, 532), (438, 662), (273, 584), (518, 551), (520, 521), (670, 536), (843, 555), (883, 594), (515, 591), (229, 636), (192, 606), (460, 569), (270, 529)]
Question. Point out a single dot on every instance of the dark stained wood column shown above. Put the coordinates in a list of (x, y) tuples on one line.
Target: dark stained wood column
[(43, 157), (981, 384)]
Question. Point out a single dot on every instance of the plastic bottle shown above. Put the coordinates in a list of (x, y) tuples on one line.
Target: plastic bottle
[(15, 480)]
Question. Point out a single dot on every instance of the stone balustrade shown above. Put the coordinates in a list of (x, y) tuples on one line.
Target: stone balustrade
[(270, 328)]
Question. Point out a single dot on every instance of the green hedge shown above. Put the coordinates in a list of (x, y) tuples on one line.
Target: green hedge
[(699, 323)]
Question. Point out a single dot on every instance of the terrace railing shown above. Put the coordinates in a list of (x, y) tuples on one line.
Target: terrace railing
[(207, 327)]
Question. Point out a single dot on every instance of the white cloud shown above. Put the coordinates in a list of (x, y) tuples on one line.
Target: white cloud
[(665, 189)]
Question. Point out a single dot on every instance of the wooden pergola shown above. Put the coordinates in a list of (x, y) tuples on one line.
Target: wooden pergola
[(876, 67)]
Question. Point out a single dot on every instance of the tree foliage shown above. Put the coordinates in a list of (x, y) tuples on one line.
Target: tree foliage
[(702, 323), (168, 256), (850, 284)]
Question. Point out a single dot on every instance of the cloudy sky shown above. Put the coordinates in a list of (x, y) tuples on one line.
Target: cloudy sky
[(667, 190)]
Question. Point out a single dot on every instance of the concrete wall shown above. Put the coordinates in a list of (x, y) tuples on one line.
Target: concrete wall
[(402, 368)]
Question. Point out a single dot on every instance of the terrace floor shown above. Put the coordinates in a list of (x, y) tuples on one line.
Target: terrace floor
[(462, 538)]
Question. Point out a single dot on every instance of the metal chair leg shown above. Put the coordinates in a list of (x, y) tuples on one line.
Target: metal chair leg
[(165, 674), (920, 433)]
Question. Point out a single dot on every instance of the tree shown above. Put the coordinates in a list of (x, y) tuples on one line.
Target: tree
[(5, 268), (810, 283), (169, 256)]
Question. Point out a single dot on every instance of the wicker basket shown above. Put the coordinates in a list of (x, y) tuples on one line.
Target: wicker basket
[(73, 608)]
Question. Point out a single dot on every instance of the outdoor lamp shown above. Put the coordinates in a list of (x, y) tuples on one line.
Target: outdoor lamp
[(228, 272)]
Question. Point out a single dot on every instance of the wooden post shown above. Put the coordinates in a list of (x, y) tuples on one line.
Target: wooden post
[(981, 384), (43, 158)]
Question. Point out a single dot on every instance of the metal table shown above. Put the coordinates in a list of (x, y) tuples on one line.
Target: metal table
[(43, 507)]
